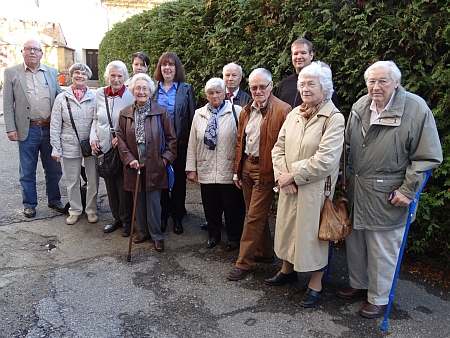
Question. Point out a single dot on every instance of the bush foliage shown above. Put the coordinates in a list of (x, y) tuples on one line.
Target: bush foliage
[(349, 35)]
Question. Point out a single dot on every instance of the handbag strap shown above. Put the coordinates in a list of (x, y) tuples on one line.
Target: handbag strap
[(111, 128), (327, 190), (234, 114), (71, 119)]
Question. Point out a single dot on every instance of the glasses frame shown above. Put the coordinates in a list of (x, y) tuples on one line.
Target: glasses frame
[(260, 87), (32, 49)]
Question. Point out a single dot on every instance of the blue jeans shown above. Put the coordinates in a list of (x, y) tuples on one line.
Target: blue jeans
[(38, 140)]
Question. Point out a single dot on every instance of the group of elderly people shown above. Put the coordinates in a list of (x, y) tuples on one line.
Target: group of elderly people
[(241, 153)]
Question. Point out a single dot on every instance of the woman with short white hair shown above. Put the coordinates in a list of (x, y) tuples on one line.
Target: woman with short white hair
[(307, 151), (111, 100), (146, 136), (210, 160)]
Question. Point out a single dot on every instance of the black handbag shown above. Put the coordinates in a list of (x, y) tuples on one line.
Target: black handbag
[(85, 146), (108, 164)]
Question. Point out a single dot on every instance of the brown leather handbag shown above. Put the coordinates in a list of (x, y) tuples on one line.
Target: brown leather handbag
[(334, 222)]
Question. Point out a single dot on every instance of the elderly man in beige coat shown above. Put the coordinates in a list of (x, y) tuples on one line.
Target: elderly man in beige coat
[(210, 160), (29, 90)]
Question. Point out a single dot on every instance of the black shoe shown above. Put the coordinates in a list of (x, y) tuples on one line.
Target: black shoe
[(163, 225), (204, 226), (59, 207), (211, 243), (281, 279), (177, 227), (310, 298), (29, 212), (233, 245), (126, 230), (116, 224)]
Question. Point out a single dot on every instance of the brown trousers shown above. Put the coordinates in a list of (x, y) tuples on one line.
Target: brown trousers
[(256, 239)]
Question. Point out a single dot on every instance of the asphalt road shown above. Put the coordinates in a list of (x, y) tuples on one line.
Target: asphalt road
[(74, 281)]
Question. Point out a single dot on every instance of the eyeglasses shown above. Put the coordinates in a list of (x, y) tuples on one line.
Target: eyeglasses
[(32, 49), (142, 89), (168, 64), (261, 88), (381, 82), (310, 85)]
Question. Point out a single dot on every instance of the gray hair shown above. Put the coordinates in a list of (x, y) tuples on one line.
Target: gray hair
[(396, 75), (323, 72), (260, 71), (214, 83), (142, 76), (82, 67), (232, 64), (115, 65)]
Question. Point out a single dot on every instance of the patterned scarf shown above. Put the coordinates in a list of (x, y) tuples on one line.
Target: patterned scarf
[(79, 93), (309, 112), (140, 123), (211, 131)]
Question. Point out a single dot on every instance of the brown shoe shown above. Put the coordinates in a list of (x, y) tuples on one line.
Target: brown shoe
[(350, 293), (237, 273), (159, 245), (372, 311), (141, 239)]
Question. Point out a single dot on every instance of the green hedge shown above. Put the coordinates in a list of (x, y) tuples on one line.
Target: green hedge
[(350, 35)]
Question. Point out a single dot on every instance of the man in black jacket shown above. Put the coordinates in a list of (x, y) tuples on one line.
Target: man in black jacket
[(302, 56), (232, 75)]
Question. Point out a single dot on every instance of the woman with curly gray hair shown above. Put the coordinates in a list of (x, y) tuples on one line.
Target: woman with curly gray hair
[(308, 149)]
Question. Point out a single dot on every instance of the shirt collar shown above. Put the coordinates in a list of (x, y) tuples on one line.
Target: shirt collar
[(373, 105), (161, 85), (261, 106), (41, 67), (235, 93), (120, 92)]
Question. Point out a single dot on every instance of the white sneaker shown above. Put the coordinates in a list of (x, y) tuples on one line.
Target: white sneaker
[(92, 218), (72, 219)]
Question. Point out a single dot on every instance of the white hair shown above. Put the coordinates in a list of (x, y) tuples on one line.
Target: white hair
[(396, 75), (213, 83), (115, 65), (263, 71), (323, 72), (232, 64), (142, 76)]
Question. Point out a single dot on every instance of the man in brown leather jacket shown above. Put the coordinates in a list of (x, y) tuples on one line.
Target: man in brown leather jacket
[(259, 124)]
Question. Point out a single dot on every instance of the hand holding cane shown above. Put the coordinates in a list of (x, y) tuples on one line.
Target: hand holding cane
[(136, 191)]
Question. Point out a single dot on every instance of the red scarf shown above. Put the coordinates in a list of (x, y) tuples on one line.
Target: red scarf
[(79, 93)]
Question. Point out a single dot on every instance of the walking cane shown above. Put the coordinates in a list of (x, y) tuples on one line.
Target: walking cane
[(136, 191), (412, 208)]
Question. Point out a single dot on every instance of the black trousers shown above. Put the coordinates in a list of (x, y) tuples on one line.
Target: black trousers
[(120, 201), (173, 202), (226, 199)]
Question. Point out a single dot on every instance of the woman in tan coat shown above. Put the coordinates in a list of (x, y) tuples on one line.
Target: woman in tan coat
[(308, 149)]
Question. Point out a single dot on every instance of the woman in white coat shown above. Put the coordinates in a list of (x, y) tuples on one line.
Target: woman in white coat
[(65, 142), (308, 149), (210, 160), (113, 98)]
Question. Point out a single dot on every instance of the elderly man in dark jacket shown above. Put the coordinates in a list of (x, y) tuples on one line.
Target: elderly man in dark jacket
[(392, 140)]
